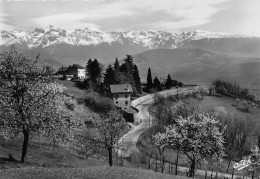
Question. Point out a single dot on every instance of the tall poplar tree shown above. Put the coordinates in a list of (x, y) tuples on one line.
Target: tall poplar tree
[(137, 79), (116, 66), (149, 84)]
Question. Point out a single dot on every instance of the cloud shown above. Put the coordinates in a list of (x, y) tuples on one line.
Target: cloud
[(113, 15), (68, 21), (3, 25)]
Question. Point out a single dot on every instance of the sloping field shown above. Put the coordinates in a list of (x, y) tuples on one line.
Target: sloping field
[(86, 173)]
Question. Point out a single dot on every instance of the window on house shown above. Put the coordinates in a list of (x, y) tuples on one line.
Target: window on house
[(126, 103)]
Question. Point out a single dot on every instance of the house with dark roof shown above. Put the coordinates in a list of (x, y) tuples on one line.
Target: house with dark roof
[(75, 71), (121, 95)]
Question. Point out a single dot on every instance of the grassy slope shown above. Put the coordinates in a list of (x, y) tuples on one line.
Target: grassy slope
[(90, 172), (211, 102), (72, 90)]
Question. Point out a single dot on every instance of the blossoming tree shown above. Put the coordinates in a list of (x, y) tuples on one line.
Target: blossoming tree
[(196, 136), (30, 103)]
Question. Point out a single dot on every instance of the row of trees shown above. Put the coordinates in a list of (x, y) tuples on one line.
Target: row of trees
[(127, 72), (157, 85), (233, 90)]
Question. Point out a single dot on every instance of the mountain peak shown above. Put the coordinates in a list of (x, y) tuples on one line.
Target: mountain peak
[(150, 39)]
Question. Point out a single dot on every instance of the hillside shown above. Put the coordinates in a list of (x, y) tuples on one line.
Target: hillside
[(199, 66), (245, 47)]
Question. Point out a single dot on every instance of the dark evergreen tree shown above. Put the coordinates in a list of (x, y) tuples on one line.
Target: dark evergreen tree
[(95, 71), (116, 66), (157, 84), (127, 72), (129, 64), (94, 74), (109, 78), (123, 68), (87, 68), (137, 80), (149, 84), (168, 83)]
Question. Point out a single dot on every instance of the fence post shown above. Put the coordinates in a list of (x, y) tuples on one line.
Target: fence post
[(176, 165), (232, 173), (253, 175), (149, 163), (156, 161), (169, 166)]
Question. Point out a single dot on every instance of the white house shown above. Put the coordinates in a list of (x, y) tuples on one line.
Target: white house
[(75, 71)]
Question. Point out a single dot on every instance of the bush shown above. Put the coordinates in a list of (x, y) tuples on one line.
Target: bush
[(98, 103), (172, 98), (70, 106)]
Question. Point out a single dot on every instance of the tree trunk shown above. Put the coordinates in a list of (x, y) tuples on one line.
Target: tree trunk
[(253, 175), (176, 165), (192, 169), (228, 164), (258, 140), (110, 158), (156, 162), (25, 144), (162, 164)]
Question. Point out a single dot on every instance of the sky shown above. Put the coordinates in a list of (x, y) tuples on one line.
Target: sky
[(230, 16)]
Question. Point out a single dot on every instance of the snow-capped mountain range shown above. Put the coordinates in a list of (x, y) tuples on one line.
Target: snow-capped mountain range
[(53, 36), (63, 47)]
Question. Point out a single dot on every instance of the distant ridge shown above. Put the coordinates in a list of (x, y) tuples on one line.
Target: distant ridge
[(77, 46), (199, 66)]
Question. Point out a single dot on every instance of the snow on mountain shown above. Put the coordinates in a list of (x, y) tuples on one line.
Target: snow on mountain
[(199, 34), (53, 36)]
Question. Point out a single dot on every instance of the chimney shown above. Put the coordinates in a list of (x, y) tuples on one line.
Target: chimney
[(127, 88)]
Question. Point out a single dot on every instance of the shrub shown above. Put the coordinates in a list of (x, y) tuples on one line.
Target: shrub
[(98, 103)]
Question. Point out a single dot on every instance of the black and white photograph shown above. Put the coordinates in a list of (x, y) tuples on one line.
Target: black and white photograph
[(129, 89)]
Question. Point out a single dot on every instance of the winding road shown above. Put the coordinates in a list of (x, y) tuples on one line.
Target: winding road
[(130, 139)]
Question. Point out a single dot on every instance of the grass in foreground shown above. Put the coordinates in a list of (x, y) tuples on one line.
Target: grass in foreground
[(86, 173)]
